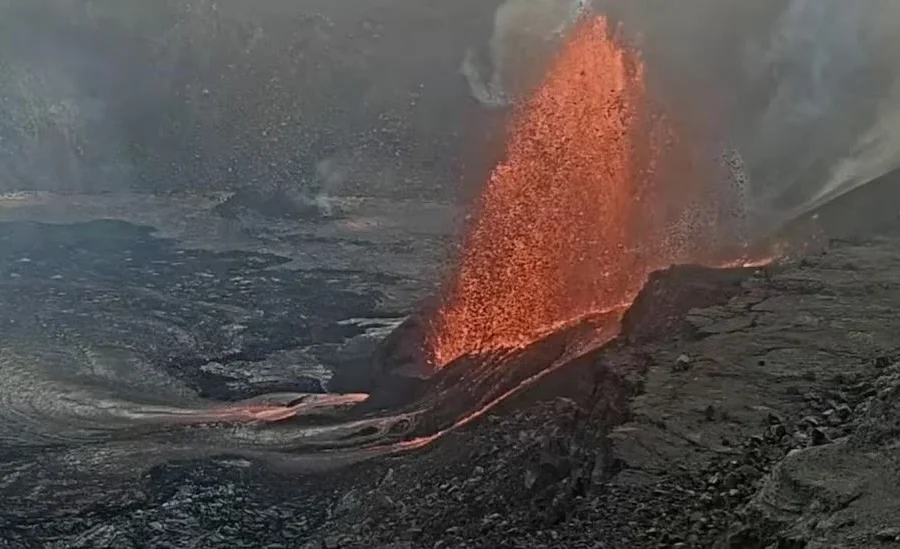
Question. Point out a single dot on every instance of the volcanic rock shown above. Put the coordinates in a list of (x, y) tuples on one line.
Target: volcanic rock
[(662, 305), (622, 451), (400, 365), (682, 363)]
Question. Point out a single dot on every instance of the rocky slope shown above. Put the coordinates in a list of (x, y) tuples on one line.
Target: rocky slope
[(766, 420), (763, 417)]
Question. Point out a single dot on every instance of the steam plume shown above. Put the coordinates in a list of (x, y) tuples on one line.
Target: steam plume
[(807, 91)]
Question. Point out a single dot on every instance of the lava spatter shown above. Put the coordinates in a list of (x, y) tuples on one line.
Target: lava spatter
[(573, 219)]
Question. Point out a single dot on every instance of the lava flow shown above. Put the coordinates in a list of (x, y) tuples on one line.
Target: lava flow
[(576, 215)]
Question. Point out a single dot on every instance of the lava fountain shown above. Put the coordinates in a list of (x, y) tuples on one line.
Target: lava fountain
[(596, 191), (578, 213)]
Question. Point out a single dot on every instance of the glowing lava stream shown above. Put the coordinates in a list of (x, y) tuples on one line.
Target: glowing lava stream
[(253, 411)]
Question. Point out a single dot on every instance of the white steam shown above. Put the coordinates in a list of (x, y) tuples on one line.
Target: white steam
[(807, 91), (524, 33), (827, 126), (329, 178)]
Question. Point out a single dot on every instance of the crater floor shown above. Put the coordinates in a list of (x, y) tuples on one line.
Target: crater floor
[(765, 416)]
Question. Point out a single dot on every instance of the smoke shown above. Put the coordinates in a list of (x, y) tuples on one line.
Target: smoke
[(203, 94), (225, 95), (825, 126), (330, 177), (525, 33), (807, 90), (805, 93)]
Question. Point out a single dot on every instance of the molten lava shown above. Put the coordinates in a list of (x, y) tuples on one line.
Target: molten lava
[(575, 217)]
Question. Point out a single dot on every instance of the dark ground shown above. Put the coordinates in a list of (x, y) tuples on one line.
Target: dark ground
[(738, 408), (766, 420)]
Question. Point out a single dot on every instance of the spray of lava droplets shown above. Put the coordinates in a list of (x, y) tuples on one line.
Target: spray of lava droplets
[(576, 216)]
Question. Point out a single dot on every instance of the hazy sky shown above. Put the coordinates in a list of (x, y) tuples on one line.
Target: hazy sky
[(111, 93), (807, 89)]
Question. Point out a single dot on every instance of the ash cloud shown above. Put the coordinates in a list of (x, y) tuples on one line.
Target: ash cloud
[(525, 33), (100, 95), (224, 95), (807, 90)]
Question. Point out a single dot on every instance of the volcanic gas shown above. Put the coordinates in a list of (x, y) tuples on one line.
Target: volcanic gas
[(585, 204)]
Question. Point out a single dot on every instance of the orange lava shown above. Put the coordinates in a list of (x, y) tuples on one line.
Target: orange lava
[(577, 214), (262, 412)]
